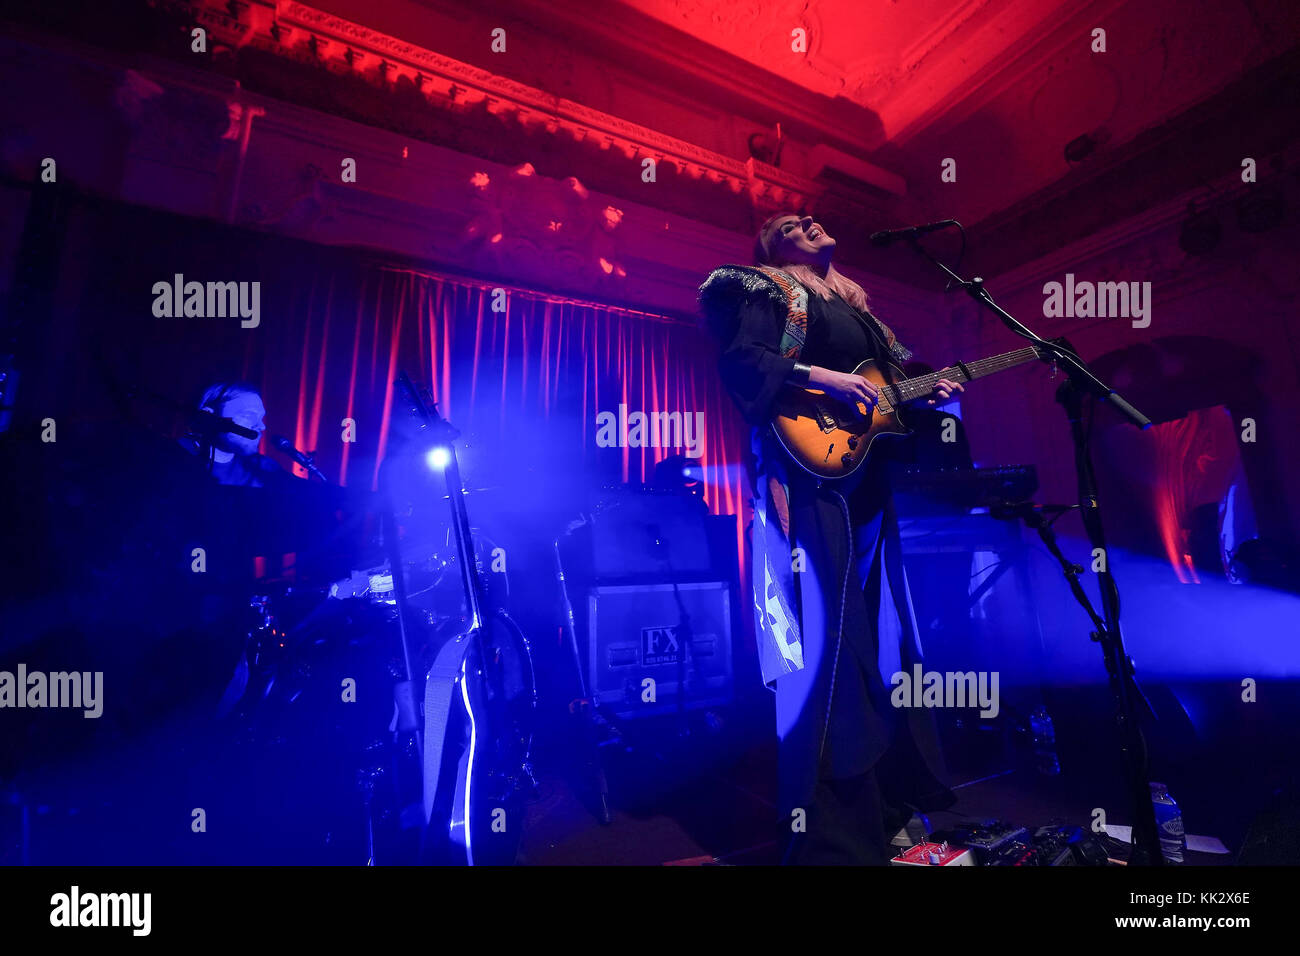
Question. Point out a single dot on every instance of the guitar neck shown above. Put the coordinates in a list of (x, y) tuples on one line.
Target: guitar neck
[(910, 389), (430, 421), (464, 541)]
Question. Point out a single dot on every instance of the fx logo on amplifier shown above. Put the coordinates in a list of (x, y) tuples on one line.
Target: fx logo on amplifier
[(659, 645)]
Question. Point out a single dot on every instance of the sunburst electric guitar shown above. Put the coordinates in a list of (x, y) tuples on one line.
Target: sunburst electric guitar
[(824, 436)]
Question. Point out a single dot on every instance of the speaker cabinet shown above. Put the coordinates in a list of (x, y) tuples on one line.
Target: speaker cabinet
[(639, 645)]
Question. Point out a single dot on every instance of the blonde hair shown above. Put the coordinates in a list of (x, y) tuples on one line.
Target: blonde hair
[(833, 282)]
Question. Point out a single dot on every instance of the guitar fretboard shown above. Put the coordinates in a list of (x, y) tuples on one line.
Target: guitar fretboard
[(913, 388)]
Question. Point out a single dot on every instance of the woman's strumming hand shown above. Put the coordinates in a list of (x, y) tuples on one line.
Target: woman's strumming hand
[(847, 387)]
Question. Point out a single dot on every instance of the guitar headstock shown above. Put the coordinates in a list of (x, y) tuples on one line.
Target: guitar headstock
[(418, 400), (424, 409)]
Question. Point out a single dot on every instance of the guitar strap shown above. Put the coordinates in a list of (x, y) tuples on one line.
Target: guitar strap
[(796, 321), (795, 332), (780, 642), (900, 352)]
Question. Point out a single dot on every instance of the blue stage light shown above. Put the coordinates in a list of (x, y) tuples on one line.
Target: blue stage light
[(437, 458)]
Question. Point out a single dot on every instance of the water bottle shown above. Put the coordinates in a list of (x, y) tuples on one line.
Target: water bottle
[(1169, 823), (1044, 734)]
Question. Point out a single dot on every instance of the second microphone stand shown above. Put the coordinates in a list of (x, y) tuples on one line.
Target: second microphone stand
[(1119, 666)]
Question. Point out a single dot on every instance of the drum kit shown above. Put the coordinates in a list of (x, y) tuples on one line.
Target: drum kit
[(333, 672), (345, 604)]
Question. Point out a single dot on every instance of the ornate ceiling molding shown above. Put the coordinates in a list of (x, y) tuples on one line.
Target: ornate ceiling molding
[(298, 30), (1146, 243)]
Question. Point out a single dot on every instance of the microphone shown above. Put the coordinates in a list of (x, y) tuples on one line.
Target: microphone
[(909, 232), (301, 457), (210, 424)]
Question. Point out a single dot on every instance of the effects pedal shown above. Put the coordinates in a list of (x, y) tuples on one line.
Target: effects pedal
[(934, 854)]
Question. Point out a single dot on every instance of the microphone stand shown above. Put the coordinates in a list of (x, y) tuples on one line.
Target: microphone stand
[(208, 426), (308, 462), (582, 710), (1119, 666), (683, 628)]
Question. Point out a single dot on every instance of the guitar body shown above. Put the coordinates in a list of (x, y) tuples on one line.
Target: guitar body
[(478, 709), (824, 436), (827, 439)]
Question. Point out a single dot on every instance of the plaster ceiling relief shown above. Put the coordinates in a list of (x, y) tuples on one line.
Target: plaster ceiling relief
[(1078, 96), (763, 34), (856, 48), (898, 59), (921, 66), (726, 25), (1002, 86), (1182, 50)]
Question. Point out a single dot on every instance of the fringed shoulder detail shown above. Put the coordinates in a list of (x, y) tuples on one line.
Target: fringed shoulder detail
[(729, 286), (900, 352)]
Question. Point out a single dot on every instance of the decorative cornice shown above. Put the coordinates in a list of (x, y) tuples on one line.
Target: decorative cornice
[(297, 29), (1140, 229)]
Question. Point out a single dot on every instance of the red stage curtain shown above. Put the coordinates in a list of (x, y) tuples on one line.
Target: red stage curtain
[(525, 384)]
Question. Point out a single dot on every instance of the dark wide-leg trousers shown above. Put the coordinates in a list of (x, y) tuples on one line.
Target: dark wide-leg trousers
[(848, 760)]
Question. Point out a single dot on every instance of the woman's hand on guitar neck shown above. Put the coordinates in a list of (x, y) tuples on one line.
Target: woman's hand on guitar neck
[(943, 390), (847, 387)]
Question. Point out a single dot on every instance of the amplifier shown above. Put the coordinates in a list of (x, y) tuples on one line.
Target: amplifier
[(650, 534), (636, 643)]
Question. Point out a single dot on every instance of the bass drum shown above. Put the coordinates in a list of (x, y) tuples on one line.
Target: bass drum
[(480, 715)]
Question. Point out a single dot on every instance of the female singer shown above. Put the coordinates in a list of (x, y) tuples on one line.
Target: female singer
[(834, 617)]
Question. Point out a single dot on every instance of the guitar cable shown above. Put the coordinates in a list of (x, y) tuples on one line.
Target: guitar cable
[(839, 631), (839, 635)]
